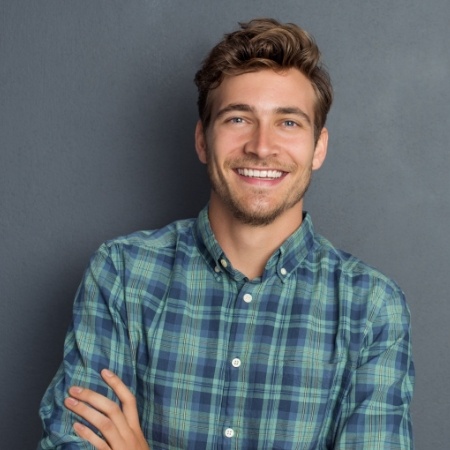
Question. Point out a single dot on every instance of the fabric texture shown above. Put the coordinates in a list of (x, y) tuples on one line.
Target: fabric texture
[(315, 354)]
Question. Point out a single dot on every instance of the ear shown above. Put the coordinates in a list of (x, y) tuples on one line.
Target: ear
[(200, 142), (320, 152)]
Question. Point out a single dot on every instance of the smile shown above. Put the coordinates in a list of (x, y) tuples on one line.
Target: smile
[(255, 173)]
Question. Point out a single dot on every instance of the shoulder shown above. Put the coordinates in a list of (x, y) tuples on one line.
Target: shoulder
[(149, 246), (161, 238), (349, 265), (368, 285), (371, 306)]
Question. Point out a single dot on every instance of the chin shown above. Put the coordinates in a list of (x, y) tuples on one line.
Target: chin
[(257, 217)]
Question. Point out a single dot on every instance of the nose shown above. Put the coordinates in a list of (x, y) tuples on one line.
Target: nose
[(261, 142)]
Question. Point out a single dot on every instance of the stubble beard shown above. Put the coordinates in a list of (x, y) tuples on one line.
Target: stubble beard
[(259, 216)]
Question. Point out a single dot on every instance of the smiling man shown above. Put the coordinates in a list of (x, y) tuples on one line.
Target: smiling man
[(260, 148), (243, 328)]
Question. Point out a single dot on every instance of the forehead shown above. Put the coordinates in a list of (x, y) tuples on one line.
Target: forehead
[(265, 91)]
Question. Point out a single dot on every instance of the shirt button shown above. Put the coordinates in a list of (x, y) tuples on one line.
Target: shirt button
[(236, 362), (223, 262), (217, 269), (229, 432), (283, 271), (248, 298)]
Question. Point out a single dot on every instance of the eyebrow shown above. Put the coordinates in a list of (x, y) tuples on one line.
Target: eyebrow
[(295, 111), (243, 107), (234, 107)]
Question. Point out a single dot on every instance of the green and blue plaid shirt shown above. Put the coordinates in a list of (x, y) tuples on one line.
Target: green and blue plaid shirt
[(315, 354)]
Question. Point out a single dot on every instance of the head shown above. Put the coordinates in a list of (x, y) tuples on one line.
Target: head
[(265, 44)]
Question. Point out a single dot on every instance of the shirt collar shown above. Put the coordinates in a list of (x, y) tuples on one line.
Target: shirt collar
[(283, 262)]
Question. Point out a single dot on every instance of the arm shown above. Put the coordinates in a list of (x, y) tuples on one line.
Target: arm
[(97, 338), (375, 414)]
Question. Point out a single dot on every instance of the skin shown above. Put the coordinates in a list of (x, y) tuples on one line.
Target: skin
[(260, 121)]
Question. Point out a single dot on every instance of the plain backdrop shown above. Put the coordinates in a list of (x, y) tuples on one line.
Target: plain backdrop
[(97, 111)]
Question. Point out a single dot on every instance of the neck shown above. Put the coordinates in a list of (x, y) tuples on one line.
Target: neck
[(249, 247)]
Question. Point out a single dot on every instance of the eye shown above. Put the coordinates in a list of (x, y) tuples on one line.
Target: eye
[(289, 123), (236, 120)]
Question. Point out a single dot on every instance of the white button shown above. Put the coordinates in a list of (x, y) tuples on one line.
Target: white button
[(283, 271), (236, 362), (217, 269), (224, 262), (248, 298), (229, 432)]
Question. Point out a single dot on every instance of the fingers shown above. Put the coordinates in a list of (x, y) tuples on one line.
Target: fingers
[(119, 425), (126, 398), (99, 411), (87, 434)]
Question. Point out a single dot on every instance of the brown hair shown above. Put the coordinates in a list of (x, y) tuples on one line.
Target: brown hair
[(265, 44)]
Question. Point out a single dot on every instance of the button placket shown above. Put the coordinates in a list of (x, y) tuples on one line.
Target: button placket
[(236, 367)]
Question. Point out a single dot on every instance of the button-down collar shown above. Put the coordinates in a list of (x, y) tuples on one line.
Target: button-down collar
[(283, 261)]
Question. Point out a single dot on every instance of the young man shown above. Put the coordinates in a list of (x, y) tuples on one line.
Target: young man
[(241, 329)]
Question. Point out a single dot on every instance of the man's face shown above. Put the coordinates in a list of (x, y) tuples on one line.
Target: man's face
[(259, 146)]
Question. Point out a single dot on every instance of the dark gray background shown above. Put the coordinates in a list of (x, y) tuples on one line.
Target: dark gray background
[(97, 110)]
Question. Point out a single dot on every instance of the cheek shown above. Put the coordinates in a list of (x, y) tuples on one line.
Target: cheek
[(228, 141)]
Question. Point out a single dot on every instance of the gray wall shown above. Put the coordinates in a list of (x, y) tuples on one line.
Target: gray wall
[(97, 110)]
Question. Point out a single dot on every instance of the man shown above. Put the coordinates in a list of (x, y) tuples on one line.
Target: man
[(243, 328)]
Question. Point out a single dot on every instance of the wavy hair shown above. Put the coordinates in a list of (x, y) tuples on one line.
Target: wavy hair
[(265, 44)]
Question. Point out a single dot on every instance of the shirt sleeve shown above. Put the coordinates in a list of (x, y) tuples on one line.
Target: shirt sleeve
[(97, 339), (375, 414)]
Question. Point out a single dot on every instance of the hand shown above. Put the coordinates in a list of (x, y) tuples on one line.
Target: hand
[(119, 426)]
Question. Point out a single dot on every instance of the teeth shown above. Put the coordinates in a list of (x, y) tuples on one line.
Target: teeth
[(254, 173)]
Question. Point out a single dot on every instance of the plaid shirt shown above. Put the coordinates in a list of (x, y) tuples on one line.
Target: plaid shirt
[(314, 354)]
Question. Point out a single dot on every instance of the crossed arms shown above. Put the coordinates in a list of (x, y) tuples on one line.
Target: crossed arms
[(119, 426)]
